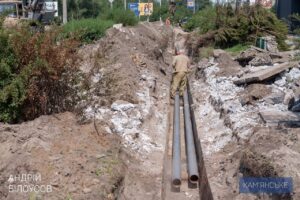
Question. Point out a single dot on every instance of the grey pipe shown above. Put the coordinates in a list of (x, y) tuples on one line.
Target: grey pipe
[(176, 162), (190, 143)]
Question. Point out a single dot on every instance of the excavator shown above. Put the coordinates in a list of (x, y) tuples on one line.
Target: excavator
[(42, 11)]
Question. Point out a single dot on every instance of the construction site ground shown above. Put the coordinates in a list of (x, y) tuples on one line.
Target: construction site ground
[(117, 144)]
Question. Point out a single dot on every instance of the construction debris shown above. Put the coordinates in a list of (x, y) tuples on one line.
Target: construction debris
[(271, 44), (265, 73), (257, 57), (275, 117)]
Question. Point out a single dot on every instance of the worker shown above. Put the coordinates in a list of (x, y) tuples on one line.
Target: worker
[(168, 22), (180, 64)]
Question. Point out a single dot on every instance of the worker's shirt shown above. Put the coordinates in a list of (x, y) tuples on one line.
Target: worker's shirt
[(181, 63)]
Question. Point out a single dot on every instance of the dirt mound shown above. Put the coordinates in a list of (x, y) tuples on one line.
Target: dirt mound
[(122, 110), (254, 93), (253, 164), (228, 67), (72, 159), (113, 66)]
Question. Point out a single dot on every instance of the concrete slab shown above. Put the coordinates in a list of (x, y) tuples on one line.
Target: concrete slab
[(274, 117), (264, 74)]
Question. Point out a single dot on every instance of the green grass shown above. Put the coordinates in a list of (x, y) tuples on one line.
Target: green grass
[(120, 16), (87, 30), (237, 49)]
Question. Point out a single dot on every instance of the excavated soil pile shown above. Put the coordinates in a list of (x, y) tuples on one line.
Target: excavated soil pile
[(113, 148)]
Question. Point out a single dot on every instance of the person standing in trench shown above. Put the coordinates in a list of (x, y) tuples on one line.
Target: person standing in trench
[(181, 64)]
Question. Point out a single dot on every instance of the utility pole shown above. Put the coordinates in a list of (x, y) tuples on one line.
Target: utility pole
[(125, 7), (111, 3), (160, 11), (65, 14)]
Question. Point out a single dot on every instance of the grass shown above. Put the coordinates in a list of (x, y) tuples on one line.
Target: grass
[(237, 49), (87, 30)]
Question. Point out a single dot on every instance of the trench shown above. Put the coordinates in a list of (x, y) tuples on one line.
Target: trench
[(187, 190)]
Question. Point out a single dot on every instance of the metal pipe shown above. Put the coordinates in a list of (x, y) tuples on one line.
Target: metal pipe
[(190, 143), (176, 162)]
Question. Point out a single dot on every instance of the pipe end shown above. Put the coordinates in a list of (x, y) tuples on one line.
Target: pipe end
[(194, 178), (176, 182)]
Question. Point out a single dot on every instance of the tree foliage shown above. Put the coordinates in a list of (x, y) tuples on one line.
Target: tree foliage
[(242, 26), (32, 66)]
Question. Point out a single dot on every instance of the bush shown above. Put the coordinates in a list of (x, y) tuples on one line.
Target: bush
[(120, 16), (243, 26), (205, 20), (32, 74), (86, 30), (181, 13), (158, 12)]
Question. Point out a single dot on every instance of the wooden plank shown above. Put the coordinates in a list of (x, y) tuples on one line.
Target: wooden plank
[(280, 117), (265, 73)]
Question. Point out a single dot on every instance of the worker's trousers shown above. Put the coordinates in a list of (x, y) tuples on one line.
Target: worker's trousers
[(179, 81)]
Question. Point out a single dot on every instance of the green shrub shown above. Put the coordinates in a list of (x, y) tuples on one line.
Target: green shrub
[(86, 30), (237, 48), (181, 13), (231, 27), (158, 12), (205, 20), (32, 71), (120, 16)]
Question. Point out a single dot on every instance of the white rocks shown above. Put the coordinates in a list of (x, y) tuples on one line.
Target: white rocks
[(293, 75), (118, 27), (121, 105), (96, 77)]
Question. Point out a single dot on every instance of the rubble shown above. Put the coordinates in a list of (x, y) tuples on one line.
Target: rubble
[(261, 59), (275, 118), (255, 92), (272, 45), (264, 74), (227, 66), (243, 105), (121, 105), (257, 57), (296, 106)]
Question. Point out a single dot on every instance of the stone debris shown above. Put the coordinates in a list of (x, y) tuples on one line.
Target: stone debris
[(275, 117), (256, 57), (121, 105), (272, 45), (264, 74), (261, 59)]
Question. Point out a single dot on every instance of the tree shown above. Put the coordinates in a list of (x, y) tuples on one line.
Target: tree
[(73, 10), (203, 3)]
